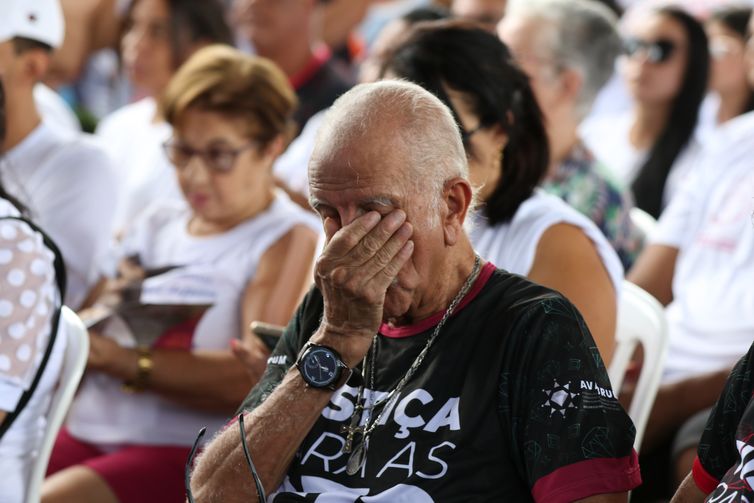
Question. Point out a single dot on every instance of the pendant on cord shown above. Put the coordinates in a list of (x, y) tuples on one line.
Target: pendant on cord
[(357, 457)]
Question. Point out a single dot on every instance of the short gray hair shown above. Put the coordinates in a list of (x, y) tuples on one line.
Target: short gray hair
[(431, 137), (583, 35)]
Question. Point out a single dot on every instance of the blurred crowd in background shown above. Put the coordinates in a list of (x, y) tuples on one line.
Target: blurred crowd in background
[(607, 140)]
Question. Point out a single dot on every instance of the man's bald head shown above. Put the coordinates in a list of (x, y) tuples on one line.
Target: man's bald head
[(394, 118)]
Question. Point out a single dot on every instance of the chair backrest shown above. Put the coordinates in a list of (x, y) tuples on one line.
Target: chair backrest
[(74, 362), (643, 220), (641, 321)]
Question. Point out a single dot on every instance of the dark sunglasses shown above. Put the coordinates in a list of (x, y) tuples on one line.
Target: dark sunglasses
[(217, 159), (657, 51)]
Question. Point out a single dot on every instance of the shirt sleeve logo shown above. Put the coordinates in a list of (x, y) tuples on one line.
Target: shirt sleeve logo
[(560, 398), (277, 360)]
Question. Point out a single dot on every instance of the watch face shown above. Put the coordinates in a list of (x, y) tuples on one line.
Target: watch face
[(320, 367)]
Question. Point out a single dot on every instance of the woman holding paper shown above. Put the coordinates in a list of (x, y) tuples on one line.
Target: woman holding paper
[(238, 251)]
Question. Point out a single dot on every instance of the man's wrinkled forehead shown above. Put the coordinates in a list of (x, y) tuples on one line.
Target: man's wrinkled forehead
[(361, 152), (358, 171), (357, 168)]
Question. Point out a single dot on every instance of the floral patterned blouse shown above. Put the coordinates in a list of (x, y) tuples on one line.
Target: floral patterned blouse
[(583, 182)]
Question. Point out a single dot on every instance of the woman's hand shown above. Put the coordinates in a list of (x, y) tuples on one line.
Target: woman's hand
[(252, 352), (105, 355), (130, 273)]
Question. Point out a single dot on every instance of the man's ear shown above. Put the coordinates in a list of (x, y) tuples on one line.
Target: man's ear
[(457, 196), (275, 147), (571, 83), (35, 64)]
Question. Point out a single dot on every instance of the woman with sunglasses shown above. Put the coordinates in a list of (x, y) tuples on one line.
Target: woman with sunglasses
[(239, 244), (727, 30), (652, 148), (518, 228)]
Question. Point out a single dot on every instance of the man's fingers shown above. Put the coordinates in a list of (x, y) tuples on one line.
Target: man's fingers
[(365, 268), (392, 268), (331, 227), (387, 253), (374, 242), (348, 237), (363, 237)]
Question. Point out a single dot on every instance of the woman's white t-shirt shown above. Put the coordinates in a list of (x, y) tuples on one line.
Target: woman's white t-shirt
[(134, 141), (222, 265), (513, 245), (711, 319), (28, 300)]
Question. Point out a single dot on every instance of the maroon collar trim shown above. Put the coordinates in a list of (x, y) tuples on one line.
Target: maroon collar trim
[(427, 323)]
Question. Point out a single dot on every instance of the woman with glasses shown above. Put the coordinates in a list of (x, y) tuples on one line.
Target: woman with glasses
[(158, 36), (518, 228), (652, 148), (727, 30), (239, 246)]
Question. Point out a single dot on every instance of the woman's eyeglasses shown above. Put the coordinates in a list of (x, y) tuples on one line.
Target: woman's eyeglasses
[(467, 134), (657, 51), (219, 159)]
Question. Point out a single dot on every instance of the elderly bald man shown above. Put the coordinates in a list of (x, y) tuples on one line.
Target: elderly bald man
[(414, 371)]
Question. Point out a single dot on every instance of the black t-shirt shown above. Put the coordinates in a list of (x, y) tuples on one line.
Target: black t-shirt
[(725, 456), (512, 403), (320, 90)]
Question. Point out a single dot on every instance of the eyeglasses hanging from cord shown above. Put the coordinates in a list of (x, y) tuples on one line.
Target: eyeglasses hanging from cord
[(261, 497)]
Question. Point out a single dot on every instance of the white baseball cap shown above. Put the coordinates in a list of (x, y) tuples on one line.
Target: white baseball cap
[(40, 20)]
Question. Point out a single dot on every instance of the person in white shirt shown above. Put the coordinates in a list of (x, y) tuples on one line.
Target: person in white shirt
[(54, 110), (518, 229), (29, 299), (652, 148), (699, 264), (63, 178), (238, 245), (160, 36)]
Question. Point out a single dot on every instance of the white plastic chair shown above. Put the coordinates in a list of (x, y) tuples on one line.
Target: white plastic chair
[(643, 220), (74, 362), (641, 320)]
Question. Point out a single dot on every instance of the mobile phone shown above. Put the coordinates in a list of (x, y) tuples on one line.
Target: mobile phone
[(268, 333)]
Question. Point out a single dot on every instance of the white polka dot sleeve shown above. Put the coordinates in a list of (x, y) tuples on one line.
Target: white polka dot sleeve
[(28, 297)]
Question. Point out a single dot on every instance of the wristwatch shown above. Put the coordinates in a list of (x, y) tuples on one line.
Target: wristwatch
[(322, 367)]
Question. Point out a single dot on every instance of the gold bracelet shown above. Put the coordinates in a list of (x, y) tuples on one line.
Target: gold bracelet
[(144, 365)]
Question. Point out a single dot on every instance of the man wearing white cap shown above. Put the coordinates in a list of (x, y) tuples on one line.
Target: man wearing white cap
[(63, 178)]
